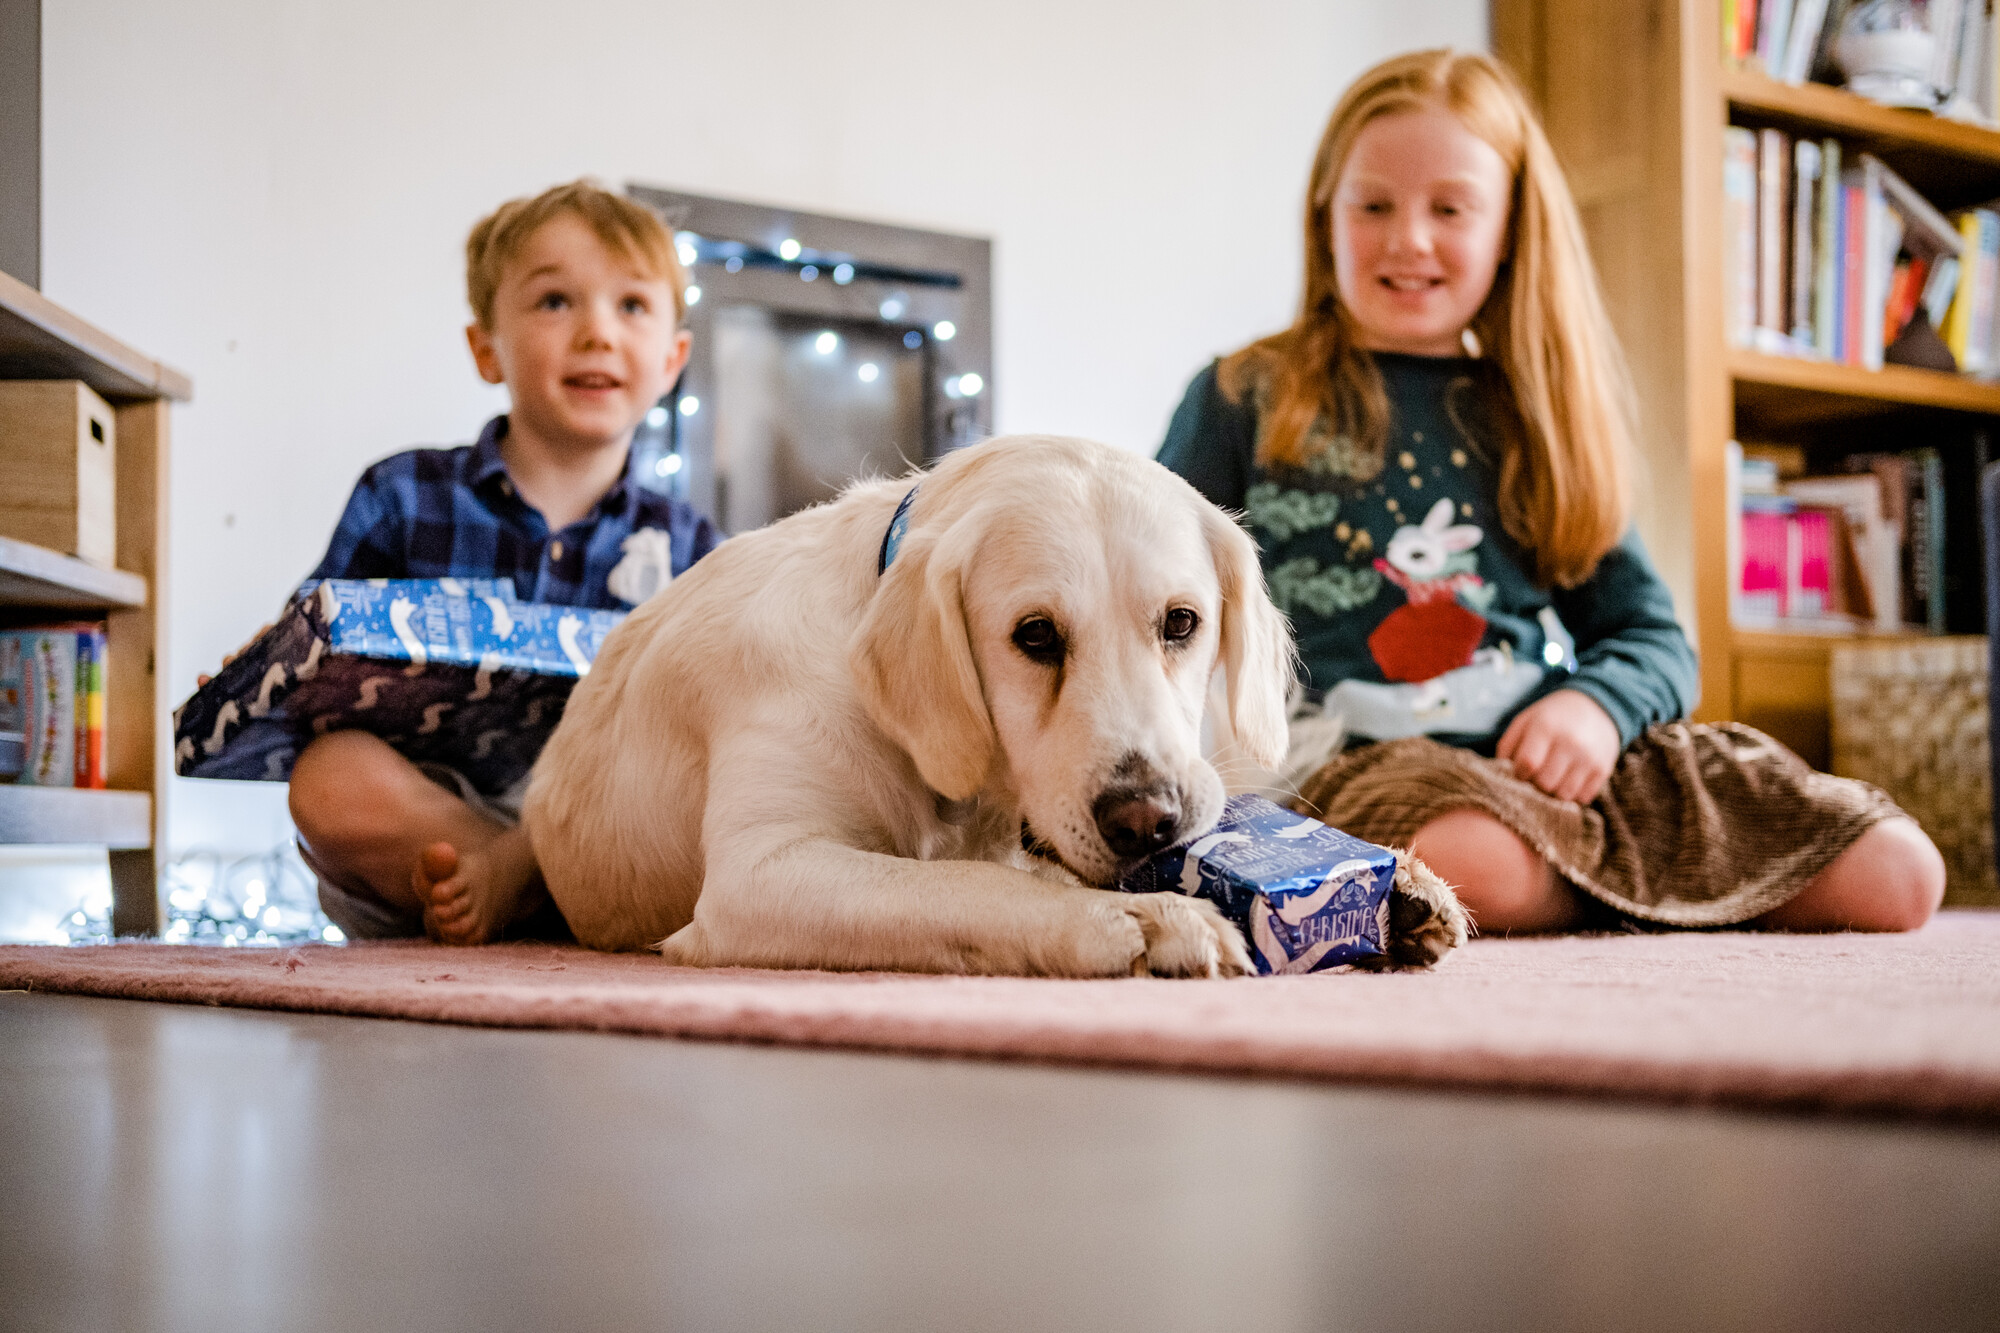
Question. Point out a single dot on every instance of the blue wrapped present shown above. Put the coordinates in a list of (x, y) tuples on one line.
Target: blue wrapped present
[(451, 671), (1306, 897)]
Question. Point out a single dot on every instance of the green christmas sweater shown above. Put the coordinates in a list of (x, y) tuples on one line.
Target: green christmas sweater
[(1416, 614)]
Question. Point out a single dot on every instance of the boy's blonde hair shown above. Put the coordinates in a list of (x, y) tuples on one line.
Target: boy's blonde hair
[(628, 229), (1564, 459)]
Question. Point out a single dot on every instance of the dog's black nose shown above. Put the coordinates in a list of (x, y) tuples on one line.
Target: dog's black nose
[(1136, 824)]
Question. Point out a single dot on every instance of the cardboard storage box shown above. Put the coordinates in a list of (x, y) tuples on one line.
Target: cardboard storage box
[(58, 447)]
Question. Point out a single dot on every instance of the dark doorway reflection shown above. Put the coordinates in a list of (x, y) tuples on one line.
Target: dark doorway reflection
[(826, 349), (805, 405)]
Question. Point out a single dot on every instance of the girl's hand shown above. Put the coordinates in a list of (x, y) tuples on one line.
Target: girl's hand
[(1564, 743)]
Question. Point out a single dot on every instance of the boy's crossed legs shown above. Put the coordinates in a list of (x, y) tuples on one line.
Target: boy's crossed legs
[(377, 827)]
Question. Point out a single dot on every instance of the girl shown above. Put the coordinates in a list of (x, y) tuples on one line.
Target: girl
[(1433, 460)]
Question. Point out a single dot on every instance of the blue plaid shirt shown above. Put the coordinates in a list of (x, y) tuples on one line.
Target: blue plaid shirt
[(453, 513)]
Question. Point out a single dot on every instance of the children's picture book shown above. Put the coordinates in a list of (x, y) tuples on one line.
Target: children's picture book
[(52, 705)]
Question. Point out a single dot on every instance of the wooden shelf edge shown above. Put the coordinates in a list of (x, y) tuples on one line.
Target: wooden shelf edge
[(36, 576), (1891, 384), (1836, 108), (118, 820), (47, 340), (1803, 641)]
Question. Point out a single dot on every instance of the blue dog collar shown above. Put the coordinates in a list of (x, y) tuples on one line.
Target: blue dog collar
[(892, 540)]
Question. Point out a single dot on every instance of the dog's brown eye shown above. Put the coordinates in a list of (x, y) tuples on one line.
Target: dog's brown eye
[(1039, 639), (1181, 624)]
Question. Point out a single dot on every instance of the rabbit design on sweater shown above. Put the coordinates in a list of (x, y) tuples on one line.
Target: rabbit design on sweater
[(1434, 632)]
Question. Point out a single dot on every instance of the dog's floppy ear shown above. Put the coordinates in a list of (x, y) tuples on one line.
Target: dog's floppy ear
[(913, 665), (1256, 643)]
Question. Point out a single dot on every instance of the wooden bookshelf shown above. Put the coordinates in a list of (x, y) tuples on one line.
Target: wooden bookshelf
[(1635, 98), (1781, 682), (120, 821), (1951, 162), (1783, 393), (36, 576), (41, 340)]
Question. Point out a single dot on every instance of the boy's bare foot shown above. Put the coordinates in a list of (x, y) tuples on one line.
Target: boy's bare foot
[(470, 896)]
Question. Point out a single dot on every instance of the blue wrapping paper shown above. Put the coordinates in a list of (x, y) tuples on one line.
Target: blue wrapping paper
[(1306, 897), (450, 671)]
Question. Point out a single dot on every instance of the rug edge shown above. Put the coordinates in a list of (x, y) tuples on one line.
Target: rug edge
[(1928, 1092)]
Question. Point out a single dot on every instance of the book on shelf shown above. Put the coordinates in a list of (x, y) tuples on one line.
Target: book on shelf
[(1802, 44), (1969, 96), (1773, 148), (1833, 255), (1792, 575), (1965, 460), (1827, 238), (1774, 21), (1739, 194), (52, 705), (1806, 189), (1912, 484), (1862, 549), (1783, 38), (1968, 323), (1785, 555), (1947, 23), (1877, 541)]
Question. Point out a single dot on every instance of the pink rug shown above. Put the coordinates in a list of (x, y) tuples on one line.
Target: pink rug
[(1879, 1023)]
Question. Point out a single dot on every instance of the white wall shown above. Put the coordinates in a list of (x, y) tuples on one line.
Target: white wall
[(272, 197)]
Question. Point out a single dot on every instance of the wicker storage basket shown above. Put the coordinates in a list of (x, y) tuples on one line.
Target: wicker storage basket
[(1909, 715)]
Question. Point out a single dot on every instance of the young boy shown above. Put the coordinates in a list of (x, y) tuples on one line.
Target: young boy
[(577, 298)]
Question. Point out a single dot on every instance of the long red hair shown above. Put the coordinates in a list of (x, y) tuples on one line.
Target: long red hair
[(1564, 455)]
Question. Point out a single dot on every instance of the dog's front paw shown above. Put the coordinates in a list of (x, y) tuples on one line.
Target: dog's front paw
[(1426, 921), (685, 948), (1185, 937)]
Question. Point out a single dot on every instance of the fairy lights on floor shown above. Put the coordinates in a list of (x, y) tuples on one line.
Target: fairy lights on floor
[(268, 900)]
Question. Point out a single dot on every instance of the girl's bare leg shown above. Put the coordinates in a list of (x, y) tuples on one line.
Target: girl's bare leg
[(1506, 886), (1892, 878)]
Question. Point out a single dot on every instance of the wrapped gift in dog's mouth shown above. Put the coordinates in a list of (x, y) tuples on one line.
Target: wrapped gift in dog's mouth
[(1307, 897)]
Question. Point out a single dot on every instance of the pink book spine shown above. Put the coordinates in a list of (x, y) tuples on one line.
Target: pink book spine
[(1815, 589), (1763, 563)]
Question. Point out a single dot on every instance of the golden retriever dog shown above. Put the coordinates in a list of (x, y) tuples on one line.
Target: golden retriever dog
[(822, 747)]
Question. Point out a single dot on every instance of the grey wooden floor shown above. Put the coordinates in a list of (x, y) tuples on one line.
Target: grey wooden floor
[(165, 1167)]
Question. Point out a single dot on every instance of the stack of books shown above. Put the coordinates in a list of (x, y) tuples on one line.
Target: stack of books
[(1782, 38), (1832, 255), (1861, 549), (1792, 40)]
